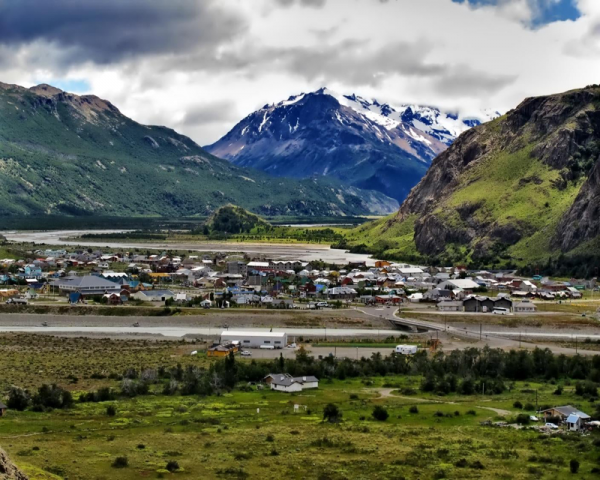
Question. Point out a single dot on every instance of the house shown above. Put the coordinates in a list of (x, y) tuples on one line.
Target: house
[(153, 295), (341, 293), (112, 298), (573, 417), (3, 409), (465, 284), (450, 306), (394, 299), (283, 303), (524, 307), (284, 382), (86, 285)]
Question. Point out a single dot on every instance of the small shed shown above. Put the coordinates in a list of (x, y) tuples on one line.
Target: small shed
[(3, 409)]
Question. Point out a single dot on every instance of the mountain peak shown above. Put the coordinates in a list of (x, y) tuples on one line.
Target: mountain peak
[(46, 90)]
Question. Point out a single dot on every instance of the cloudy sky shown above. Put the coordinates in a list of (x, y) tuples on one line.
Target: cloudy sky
[(199, 66)]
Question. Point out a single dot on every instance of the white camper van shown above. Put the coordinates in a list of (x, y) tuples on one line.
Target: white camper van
[(406, 349)]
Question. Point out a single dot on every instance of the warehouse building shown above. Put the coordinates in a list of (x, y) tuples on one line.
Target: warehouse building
[(255, 339)]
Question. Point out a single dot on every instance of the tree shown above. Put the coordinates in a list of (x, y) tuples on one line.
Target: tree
[(380, 413), (332, 413), (18, 399)]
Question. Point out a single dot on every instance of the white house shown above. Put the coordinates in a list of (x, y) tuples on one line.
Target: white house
[(524, 307), (284, 382), (153, 295)]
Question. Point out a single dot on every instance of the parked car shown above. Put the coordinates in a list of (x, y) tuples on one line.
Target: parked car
[(501, 311), (322, 304), (552, 426), (17, 301), (246, 353)]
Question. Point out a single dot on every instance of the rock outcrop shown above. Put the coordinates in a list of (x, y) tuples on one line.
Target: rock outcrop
[(530, 178), (8, 470)]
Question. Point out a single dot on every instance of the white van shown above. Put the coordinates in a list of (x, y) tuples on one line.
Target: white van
[(406, 349), (501, 311)]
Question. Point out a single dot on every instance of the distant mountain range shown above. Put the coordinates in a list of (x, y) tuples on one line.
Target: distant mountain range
[(521, 189), (363, 143), (64, 154)]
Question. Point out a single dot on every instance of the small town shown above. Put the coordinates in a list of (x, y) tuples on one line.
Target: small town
[(299, 239)]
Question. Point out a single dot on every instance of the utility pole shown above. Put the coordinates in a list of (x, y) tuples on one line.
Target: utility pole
[(575, 343), (519, 339), (480, 331)]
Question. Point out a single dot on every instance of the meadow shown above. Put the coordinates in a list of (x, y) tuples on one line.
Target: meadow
[(256, 433)]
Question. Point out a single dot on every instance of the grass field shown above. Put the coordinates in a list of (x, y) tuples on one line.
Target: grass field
[(256, 434)]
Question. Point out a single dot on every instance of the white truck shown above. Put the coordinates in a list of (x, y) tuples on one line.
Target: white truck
[(406, 349)]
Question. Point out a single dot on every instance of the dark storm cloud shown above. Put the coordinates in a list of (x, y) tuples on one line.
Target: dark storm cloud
[(109, 30), (352, 61)]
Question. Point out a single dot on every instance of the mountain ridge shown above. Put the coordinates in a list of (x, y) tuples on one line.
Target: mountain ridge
[(363, 143), (67, 154)]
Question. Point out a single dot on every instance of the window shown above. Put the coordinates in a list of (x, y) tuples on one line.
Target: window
[(277, 341), (267, 341), (246, 341)]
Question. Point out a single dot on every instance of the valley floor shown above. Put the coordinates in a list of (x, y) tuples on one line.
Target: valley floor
[(256, 434)]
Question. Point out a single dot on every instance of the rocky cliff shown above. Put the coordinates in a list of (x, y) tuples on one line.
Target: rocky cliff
[(8, 470), (522, 187)]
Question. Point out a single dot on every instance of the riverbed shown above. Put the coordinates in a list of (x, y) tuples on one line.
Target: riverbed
[(302, 252)]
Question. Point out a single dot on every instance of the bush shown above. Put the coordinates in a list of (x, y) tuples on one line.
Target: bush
[(270, 438), (530, 407), (558, 391), (438, 414), (18, 399), (172, 466), (120, 462), (518, 404), (52, 396), (380, 413), (471, 412), (332, 413), (523, 419), (574, 466), (111, 411), (413, 409)]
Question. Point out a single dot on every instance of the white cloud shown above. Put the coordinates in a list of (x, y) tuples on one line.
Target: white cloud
[(424, 51)]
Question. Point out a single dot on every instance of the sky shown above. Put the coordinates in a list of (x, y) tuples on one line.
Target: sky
[(200, 66)]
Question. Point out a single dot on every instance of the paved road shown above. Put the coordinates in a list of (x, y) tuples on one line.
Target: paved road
[(494, 339)]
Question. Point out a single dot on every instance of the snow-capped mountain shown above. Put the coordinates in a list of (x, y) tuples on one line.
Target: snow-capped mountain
[(363, 143)]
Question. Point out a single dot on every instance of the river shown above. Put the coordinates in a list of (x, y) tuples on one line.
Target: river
[(274, 251)]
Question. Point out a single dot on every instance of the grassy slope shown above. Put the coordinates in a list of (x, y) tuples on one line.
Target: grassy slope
[(496, 184)]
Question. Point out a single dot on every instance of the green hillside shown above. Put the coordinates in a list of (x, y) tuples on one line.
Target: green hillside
[(506, 193), (232, 219), (63, 154)]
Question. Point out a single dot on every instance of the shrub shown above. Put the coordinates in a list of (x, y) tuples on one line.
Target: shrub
[(332, 413), (522, 419), (141, 446), (380, 413), (270, 438), (529, 407), (172, 466), (52, 396), (462, 463), (18, 399), (518, 404), (477, 465), (413, 409), (111, 411), (438, 414), (471, 412), (120, 462), (353, 396), (574, 466)]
